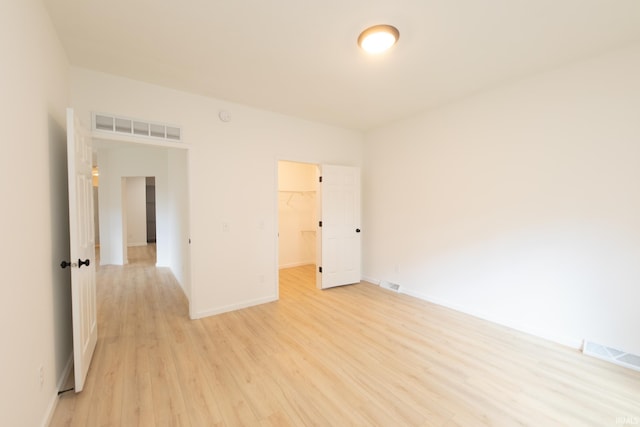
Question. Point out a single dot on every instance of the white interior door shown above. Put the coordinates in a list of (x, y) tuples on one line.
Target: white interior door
[(82, 248), (340, 231)]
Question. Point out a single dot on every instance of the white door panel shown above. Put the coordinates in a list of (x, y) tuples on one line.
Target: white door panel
[(82, 248), (340, 231)]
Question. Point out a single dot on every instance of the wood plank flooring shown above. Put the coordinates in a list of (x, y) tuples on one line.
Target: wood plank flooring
[(353, 355)]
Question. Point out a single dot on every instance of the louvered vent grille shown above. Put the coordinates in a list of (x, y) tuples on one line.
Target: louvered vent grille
[(390, 286), (128, 126), (612, 355)]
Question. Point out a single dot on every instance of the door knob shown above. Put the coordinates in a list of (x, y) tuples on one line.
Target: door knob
[(65, 264), (357, 230)]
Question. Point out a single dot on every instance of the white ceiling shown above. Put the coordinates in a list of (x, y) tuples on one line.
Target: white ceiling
[(299, 57)]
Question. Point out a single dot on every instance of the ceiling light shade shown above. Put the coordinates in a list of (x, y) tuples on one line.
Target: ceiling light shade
[(378, 38)]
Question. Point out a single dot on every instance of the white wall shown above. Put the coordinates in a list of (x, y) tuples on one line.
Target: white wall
[(177, 233), (232, 176), (520, 204), (136, 210), (297, 213), (35, 298)]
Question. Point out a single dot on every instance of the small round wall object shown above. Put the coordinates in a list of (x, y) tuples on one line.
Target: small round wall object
[(224, 116)]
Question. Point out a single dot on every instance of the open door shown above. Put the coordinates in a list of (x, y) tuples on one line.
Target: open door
[(340, 226), (82, 248)]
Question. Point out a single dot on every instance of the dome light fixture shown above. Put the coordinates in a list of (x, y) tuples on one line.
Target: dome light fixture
[(378, 38)]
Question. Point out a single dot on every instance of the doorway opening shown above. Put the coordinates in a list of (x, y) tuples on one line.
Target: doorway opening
[(298, 212), (144, 204), (139, 215)]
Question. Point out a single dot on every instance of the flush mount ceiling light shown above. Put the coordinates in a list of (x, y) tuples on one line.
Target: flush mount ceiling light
[(378, 38)]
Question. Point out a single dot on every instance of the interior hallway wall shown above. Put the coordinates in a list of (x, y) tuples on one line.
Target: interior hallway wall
[(136, 211), (178, 216)]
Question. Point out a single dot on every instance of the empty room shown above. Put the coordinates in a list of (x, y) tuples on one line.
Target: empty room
[(456, 241)]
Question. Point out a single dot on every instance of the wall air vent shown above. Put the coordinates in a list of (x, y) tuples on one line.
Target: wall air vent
[(390, 286), (612, 355), (128, 126)]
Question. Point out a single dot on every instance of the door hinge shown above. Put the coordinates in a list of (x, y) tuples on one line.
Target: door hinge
[(320, 269), (319, 179), (319, 223)]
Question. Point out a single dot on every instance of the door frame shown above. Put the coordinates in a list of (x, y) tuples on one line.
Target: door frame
[(317, 164)]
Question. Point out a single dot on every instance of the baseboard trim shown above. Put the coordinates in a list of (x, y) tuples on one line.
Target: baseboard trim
[(233, 307), (370, 280), (611, 355), (66, 372), (53, 403)]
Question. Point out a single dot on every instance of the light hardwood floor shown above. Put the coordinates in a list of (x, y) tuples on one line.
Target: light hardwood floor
[(354, 355)]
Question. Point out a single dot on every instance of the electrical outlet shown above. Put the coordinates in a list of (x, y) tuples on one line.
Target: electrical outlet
[(41, 376)]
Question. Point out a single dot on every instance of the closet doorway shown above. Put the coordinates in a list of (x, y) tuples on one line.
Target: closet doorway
[(298, 215)]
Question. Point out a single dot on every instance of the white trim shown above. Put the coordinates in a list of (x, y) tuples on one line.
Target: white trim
[(108, 137), (65, 372), (612, 355), (51, 409), (370, 280), (276, 228), (233, 307), (53, 403)]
